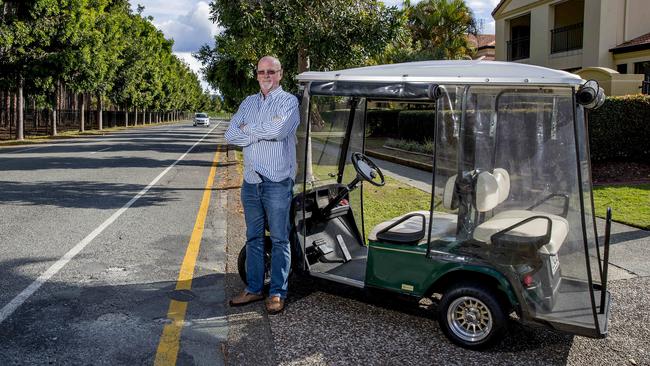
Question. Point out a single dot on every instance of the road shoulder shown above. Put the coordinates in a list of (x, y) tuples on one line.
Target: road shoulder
[(249, 335)]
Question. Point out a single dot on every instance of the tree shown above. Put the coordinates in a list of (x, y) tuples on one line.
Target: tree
[(15, 42), (441, 27), (94, 49), (326, 35)]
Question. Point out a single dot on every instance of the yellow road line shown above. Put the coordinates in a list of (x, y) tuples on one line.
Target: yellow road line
[(170, 340)]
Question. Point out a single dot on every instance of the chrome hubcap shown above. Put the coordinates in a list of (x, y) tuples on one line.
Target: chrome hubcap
[(469, 319)]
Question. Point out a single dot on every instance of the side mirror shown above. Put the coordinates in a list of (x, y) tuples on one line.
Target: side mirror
[(590, 95)]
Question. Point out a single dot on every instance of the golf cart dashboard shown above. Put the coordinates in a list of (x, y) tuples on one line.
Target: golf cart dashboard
[(317, 199)]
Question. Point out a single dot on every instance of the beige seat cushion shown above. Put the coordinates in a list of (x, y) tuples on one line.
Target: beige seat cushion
[(505, 219), (444, 224)]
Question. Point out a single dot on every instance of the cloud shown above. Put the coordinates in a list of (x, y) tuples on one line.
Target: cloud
[(190, 30), (397, 3), (195, 66)]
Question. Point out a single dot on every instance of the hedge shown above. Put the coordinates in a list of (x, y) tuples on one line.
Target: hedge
[(382, 122), (620, 129), (416, 125)]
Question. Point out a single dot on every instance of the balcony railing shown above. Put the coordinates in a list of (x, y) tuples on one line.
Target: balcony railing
[(518, 48), (566, 38)]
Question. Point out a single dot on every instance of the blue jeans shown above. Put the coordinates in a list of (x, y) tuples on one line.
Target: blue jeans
[(268, 201)]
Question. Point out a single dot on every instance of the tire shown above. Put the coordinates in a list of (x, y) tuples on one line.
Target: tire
[(241, 262), (472, 316)]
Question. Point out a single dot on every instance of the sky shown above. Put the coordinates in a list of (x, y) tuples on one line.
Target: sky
[(188, 23)]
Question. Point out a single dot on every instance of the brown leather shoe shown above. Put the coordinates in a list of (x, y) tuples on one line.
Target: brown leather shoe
[(274, 305), (245, 298)]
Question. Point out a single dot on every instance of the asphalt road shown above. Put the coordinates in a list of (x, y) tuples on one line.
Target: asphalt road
[(93, 235), (113, 220)]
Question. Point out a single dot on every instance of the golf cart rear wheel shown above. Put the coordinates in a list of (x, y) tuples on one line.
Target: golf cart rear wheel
[(241, 262), (471, 316)]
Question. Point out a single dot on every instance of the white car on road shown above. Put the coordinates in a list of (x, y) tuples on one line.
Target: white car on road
[(201, 119)]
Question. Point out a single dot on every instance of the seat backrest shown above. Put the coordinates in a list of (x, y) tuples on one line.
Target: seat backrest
[(487, 192), (503, 180), (448, 193)]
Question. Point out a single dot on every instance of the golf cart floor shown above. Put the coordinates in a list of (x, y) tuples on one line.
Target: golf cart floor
[(354, 270)]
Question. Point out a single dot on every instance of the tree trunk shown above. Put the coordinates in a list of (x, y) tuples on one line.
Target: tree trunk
[(14, 111), (20, 134), (2, 110), (303, 60), (126, 116), (135, 116), (82, 110), (100, 108), (36, 115), (57, 97), (8, 109)]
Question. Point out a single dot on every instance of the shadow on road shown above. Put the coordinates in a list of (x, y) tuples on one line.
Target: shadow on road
[(94, 322)]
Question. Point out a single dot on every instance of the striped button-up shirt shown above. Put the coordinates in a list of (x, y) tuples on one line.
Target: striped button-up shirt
[(266, 129)]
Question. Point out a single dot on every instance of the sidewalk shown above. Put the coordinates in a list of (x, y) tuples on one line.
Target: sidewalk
[(629, 250)]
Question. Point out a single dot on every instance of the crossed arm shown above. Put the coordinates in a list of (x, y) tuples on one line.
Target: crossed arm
[(242, 134)]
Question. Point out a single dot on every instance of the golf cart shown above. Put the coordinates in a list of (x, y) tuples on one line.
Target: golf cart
[(502, 225)]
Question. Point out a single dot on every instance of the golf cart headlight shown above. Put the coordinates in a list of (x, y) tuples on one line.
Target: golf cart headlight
[(590, 95)]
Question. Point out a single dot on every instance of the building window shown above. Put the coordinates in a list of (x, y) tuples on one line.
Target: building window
[(643, 68), (519, 43), (566, 38), (621, 68), (568, 20)]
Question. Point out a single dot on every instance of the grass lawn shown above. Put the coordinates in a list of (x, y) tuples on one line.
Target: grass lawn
[(630, 203), (392, 200), (381, 203)]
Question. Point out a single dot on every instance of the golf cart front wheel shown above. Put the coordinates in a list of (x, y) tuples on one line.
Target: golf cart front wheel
[(471, 316), (241, 262)]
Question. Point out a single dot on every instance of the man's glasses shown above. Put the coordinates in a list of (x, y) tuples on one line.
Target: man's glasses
[(267, 72)]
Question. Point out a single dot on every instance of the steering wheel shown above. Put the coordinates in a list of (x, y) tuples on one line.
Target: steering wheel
[(367, 170)]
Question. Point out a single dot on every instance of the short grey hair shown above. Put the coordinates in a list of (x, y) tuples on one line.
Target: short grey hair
[(273, 60)]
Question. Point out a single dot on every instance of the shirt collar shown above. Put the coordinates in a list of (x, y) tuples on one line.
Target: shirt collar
[(273, 93)]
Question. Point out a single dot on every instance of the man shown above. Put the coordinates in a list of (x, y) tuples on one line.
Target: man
[(265, 126)]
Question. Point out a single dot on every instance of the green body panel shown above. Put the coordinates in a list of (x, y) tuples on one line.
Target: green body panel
[(406, 269)]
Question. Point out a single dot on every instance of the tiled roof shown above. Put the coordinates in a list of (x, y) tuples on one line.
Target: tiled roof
[(481, 40), (636, 44)]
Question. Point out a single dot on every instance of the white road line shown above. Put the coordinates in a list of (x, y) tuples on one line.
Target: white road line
[(14, 304), (30, 148), (94, 152)]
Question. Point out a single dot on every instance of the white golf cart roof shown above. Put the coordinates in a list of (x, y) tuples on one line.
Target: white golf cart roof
[(449, 72)]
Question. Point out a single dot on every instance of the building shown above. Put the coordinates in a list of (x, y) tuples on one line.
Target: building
[(483, 44), (608, 40)]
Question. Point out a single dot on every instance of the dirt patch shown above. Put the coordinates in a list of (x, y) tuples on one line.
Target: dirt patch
[(618, 172)]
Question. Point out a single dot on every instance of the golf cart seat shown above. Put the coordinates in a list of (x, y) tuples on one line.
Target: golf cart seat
[(410, 228), (542, 230)]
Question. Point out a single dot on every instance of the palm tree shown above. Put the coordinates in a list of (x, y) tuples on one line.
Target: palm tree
[(441, 27)]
